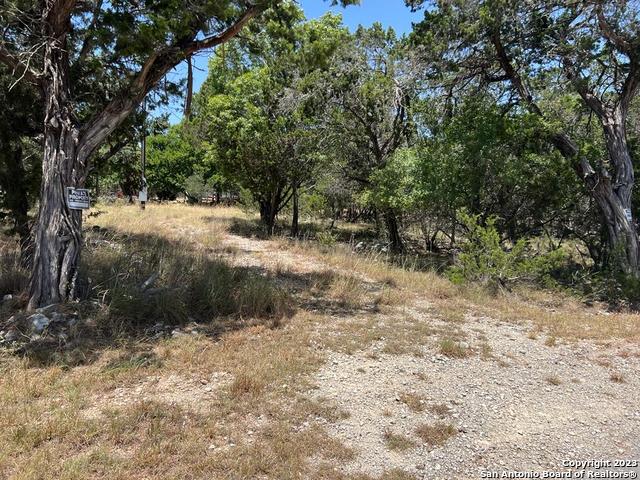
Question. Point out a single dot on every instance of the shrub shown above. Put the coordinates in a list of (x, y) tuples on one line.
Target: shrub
[(484, 259), (326, 239)]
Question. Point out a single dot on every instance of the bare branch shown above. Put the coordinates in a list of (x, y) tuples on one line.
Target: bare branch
[(20, 69)]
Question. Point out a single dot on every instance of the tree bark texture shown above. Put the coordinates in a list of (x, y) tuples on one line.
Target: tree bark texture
[(295, 227), (58, 229), (393, 230)]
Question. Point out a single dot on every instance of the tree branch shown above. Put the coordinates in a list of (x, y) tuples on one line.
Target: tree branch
[(621, 43), (88, 39), (580, 84), (152, 71), (629, 88), (567, 148), (513, 75), (228, 34), (20, 69)]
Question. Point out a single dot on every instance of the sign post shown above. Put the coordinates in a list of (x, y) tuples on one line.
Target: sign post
[(142, 195), (78, 198)]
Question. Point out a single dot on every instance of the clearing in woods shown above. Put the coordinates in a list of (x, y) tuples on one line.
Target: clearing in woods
[(366, 371)]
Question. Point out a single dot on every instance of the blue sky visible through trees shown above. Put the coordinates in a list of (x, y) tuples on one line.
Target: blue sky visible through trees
[(390, 13)]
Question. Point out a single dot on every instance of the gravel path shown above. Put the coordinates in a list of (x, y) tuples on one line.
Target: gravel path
[(525, 406)]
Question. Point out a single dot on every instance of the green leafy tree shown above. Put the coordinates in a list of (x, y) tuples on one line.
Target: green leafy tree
[(261, 121), (496, 163), (172, 158), (590, 48), (371, 87), (20, 123)]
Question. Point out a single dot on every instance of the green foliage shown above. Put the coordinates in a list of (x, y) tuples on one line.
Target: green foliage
[(258, 110), (393, 186), (171, 159), (494, 163), (483, 258), (20, 155), (326, 238), (196, 187)]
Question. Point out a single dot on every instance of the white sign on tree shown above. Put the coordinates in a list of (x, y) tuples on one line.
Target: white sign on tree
[(78, 198)]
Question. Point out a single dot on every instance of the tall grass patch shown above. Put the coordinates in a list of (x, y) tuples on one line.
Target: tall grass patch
[(142, 280)]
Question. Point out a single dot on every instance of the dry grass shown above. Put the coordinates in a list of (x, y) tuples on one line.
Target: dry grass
[(47, 433), (250, 418), (554, 380), (617, 377), (415, 402), (234, 408), (398, 442), (451, 348), (552, 312), (436, 434), (559, 315), (397, 474), (440, 409), (348, 291), (486, 351)]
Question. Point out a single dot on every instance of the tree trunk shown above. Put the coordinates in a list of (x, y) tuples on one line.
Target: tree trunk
[(615, 198), (68, 146), (58, 230), (268, 215), (395, 239), (294, 222), (189, 97)]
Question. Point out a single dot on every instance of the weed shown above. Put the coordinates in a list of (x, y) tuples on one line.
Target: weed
[(347, 291), (617, 377), (398, 442), (440, 409), (451, 348), (436, 434), (413, 401), (554, 380)]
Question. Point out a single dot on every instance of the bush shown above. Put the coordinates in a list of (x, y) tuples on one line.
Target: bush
[(196, 187), (326, 238), (483, 258)]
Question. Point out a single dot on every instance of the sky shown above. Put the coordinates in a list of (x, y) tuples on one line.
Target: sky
[(390, 13)]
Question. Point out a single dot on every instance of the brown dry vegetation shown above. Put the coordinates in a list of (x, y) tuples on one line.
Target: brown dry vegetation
[(229, 400), (437, 433)]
